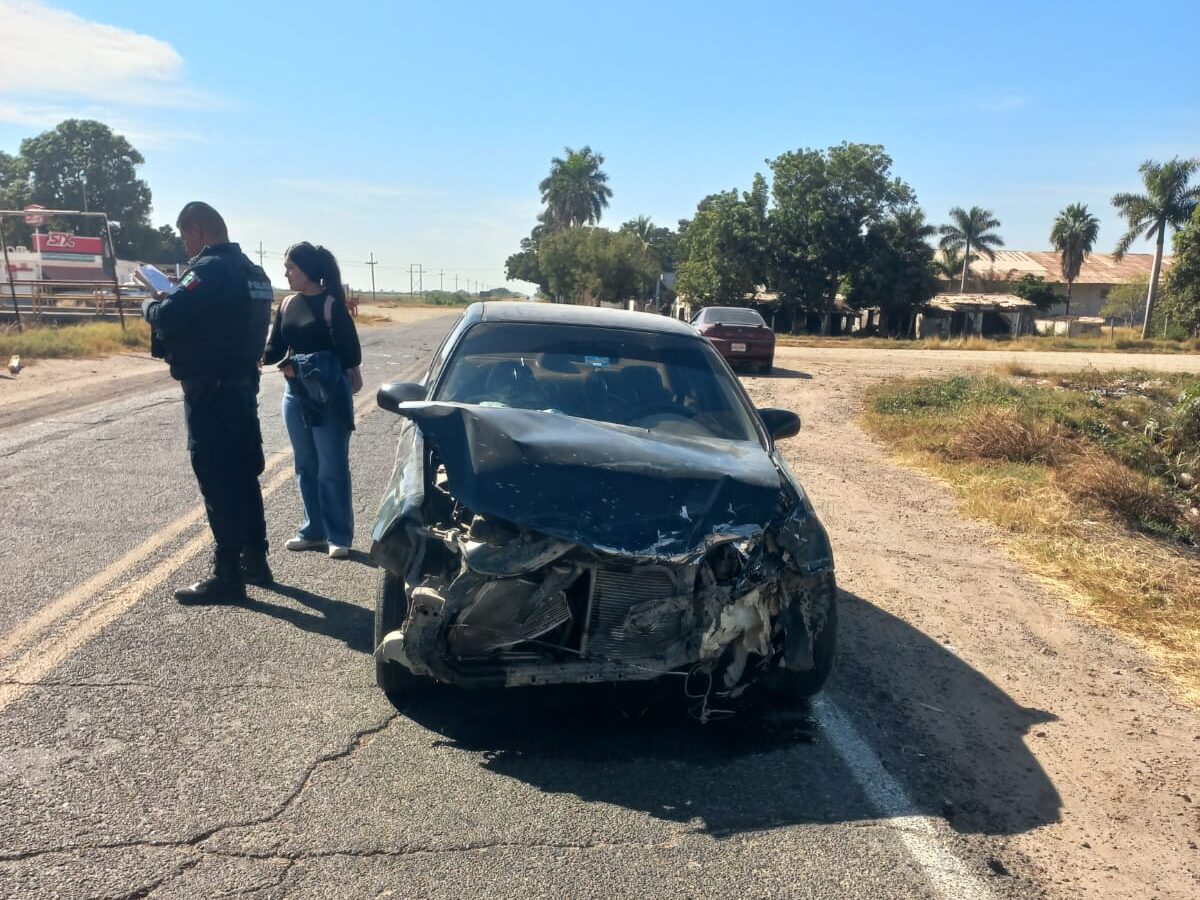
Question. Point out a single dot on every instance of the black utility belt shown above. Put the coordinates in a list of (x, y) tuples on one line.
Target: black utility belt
[(208, 383)]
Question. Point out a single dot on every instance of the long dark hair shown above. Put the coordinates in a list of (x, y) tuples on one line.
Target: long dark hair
[(320, 266)]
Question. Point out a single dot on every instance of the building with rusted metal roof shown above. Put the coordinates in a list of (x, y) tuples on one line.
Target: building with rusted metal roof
[(1100, 273)]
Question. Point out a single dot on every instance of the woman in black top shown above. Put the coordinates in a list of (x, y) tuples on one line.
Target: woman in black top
[(314, 341)]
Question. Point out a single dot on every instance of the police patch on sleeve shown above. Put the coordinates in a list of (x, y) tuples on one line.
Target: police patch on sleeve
[(190, 281)]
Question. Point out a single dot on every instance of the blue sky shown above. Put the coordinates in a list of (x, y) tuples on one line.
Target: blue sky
[(419, 132)]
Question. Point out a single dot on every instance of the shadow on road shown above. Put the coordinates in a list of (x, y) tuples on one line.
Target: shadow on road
[(635, 746), (336, 619)]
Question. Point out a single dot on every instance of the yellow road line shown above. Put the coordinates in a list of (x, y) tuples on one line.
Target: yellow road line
[(54, 645)]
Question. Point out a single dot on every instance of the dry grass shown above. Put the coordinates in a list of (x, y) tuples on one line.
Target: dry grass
[(1107, 533), (83, 341), (1094, 478), (1003, 434)]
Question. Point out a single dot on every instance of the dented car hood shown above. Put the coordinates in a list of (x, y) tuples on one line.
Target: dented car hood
[(612, 488)]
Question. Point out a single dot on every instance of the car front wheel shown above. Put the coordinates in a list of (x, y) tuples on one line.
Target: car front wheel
[(800, 685), (391, 609)]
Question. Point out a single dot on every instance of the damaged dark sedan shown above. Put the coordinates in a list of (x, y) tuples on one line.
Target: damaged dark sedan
[(588, 495)]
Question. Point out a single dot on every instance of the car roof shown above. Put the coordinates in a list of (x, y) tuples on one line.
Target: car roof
[(569, 314)]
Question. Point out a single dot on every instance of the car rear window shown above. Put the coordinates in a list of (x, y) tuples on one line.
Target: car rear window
[(664, 382), (733, 317)]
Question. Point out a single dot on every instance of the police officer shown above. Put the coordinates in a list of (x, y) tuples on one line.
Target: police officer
[(211, 330)]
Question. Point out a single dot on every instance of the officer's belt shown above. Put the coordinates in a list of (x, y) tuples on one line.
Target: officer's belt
[(209, 382)]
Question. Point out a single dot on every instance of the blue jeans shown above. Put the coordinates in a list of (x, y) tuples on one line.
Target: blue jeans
[(322, 454)]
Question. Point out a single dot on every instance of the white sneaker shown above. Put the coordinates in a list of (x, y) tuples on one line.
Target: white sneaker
[(336, 551), (299, 543)]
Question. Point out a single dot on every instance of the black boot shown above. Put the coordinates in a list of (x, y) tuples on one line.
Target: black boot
[(225, 585), (255, 569)]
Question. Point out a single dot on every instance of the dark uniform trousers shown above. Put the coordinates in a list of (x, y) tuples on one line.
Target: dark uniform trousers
[(225, 444)]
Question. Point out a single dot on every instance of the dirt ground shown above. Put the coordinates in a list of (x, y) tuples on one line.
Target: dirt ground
[(1122, 751)]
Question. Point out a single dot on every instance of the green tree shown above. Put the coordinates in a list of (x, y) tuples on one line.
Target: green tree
[(1181, 293), (576, 191), (1126, 300), (523, 265), (897, 274), (1037, 290), (971, 230), (587, 265), (724, 248), (663, 241), (1073, 236), (147, 244), (82, 164), (1169, 202), (825, 201)]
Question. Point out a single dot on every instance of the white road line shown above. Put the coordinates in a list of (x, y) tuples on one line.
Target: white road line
[(921, 835), (48, 638)]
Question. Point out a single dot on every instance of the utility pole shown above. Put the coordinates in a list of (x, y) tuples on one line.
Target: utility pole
[(260, 255), (420, 270), (372, 262), (441, 287), (456, 282)]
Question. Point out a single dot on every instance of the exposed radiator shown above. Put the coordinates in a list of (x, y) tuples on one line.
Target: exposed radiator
[(635, 614)]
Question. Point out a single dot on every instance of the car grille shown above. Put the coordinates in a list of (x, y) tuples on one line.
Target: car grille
[(635, 614)]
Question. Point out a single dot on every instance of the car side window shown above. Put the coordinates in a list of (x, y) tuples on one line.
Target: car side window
[(438, 360)]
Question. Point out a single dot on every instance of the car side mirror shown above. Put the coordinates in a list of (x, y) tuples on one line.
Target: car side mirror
[(390, 396), (781, 423)]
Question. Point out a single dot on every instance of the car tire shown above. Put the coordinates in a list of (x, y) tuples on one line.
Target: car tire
[(391, 609), (794, 685)]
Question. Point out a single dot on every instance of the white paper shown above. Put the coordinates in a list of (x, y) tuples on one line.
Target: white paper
[(154, 279)]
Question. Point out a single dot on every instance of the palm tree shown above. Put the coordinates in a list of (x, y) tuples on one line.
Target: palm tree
[(1168, 202), (970, 231), (950, 263), (1073, 236), (575, 192)]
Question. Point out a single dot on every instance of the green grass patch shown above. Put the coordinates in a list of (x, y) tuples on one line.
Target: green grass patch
[(1093, 474), (82, 341)]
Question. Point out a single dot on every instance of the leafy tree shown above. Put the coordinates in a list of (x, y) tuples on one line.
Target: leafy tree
[(1037, 290), (576, 190), (1169, 202), (971, 230), (1126, 300), (523, 265), (1073, 236), (1181, 299), (663, 241), (897, 274), (160, 244), (824, 203), (584, 265), (724, 248), (82, 163)]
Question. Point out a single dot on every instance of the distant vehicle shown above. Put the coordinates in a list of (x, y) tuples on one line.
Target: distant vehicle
[(740, 336), (588, 495)]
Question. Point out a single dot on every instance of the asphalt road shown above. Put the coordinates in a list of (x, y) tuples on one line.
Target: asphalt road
[(153, 750)]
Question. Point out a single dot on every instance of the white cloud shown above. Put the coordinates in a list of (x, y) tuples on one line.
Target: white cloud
[(54, 64)]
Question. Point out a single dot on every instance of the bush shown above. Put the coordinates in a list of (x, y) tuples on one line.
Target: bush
[(1003, 434), (1092, 476)]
